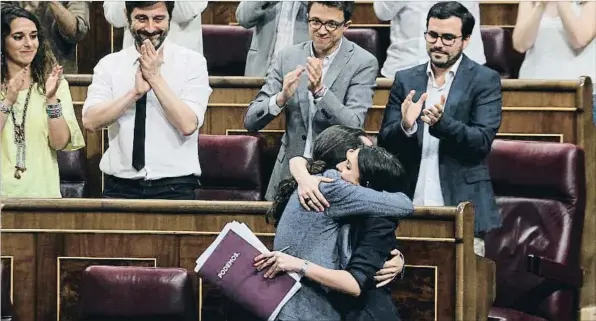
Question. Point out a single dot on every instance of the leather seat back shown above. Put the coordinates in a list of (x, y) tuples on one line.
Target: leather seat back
[(137, 293), (225, 48), (73, 173), (499, 52), (540, 188), (231, 168)]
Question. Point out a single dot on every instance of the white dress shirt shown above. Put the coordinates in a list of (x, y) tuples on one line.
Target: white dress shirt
[(185, 28), (428, 190), (408, 23), (168, 153), (275, 110), (285, 25)]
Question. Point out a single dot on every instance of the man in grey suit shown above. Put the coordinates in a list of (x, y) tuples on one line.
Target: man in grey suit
[(326, 81), (442, 118), (276, 25)]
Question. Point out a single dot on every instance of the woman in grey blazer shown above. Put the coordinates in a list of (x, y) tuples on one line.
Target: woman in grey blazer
[(313, 237)]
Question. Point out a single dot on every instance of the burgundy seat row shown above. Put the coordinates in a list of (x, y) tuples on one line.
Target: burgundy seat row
[(541, 190), (228, 58)]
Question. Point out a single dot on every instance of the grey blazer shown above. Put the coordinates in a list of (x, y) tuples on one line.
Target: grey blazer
[(350, 80), (263, 17), (467, 129)]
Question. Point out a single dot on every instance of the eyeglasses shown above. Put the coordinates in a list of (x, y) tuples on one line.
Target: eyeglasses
[(447, 39), (329, 25)]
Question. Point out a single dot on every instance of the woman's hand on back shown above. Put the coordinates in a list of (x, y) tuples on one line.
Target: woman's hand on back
[(390, 269), (309, 194)]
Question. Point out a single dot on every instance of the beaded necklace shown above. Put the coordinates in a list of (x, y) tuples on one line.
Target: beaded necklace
[(19, 137)]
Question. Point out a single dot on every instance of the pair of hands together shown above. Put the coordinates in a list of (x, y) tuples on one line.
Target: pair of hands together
[(308, 188), (149, 68), (314, 70), (17, 83), (410, 110)]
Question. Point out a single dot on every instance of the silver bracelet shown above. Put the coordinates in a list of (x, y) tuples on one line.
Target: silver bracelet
[(5, 109), (54, 111), (303, 268)]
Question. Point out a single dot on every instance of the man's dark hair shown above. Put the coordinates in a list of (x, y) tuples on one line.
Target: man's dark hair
[(131, 5), (446, 10), (346, 6)]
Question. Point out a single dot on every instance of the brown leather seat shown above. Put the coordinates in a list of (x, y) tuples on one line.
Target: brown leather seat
[(231, 168), (137, 294), (540, 188), (6, 311), (226, 48), (73, 173), (499, 52), (366, 38)]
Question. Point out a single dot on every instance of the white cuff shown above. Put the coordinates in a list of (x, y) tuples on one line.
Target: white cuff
[(273, 108), (411, 131)]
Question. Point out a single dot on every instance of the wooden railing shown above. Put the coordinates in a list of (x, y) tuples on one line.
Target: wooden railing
[(46, 244)]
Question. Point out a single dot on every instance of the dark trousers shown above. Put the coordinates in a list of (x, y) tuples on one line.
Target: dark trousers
[(171, 188)]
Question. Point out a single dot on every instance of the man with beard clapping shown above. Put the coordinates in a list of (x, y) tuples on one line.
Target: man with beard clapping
[(152, 97), (441, 119)]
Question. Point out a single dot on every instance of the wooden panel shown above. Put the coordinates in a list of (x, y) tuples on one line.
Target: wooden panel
[(63, 237), (21, 247)]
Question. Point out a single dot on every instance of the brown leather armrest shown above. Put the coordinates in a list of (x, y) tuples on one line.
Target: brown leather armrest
[(555, 271)]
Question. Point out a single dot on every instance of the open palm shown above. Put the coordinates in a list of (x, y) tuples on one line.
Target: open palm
[(53, 81)]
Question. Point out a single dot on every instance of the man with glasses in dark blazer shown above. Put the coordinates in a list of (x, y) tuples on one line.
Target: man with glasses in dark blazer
[(441, 120)]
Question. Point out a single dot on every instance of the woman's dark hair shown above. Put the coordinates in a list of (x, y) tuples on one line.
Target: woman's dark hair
[(379, 170), (329, 149), (448, 9), (131, 5), (332, 144), (44, 59), (346, 6)]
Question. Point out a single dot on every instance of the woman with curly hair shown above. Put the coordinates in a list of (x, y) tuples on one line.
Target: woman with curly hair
[(370, 184), (36, 113)]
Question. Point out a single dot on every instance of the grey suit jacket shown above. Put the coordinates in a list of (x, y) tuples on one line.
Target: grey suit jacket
[(263, 17), (467, 129), (350, 80)]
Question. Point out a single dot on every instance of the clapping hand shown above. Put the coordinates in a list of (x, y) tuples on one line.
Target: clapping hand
[(150, 61), (314, 66), (289, 85), (14, 85), (433, 114), (410, 110), (53, 82)]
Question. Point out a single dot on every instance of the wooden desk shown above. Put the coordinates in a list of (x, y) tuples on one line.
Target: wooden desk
[(559, 111), (48, 243)]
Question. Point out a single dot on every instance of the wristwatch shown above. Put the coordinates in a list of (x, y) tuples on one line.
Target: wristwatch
[(4, 109), (303, 269)]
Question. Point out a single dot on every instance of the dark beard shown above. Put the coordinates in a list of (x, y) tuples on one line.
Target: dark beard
[(140, 36), (448, 63)]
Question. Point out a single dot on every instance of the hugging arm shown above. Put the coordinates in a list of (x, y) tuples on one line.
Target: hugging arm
[(375, 239), (347, 199)]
